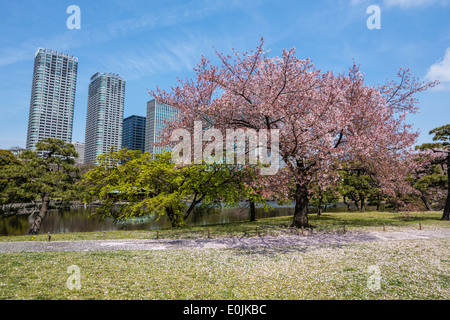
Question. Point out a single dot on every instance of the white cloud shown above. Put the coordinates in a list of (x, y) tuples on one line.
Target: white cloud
[(175, 55), (69, 40), (403, 4), (441, 71), (413, 3)]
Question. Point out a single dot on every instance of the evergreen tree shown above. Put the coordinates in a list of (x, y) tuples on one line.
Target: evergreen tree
[(42, 175), (441, 149)]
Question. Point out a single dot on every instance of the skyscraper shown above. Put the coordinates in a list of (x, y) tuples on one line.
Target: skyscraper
[(157, 114), (79, 148), (134, 133), (52, 97), (104, 119)]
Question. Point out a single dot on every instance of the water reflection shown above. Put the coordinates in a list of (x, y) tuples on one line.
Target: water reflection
[(77, 219)]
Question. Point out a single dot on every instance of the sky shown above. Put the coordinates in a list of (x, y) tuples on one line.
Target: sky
[(155, 43)]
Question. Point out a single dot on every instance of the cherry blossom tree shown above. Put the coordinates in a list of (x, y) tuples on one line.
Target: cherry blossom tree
[(323, 118)]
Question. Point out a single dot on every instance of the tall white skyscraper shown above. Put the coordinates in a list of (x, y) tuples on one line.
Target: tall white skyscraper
[(104, 119), (79, 148), (52, 97), (157, 114)]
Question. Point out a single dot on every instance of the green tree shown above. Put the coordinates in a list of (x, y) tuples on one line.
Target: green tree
[(441, 148), (49, 173), (376, 197), (321, 198), (429, 180), (144, 183), (6, 159), (358, 186)]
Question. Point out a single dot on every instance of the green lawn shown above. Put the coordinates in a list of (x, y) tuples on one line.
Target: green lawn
[(408, 269), (370, 220), (414, 269)]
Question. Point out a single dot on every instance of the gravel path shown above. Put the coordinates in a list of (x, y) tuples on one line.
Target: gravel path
[(165, 244)]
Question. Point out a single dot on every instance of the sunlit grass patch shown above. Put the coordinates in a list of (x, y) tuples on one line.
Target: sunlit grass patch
[(413, 269)]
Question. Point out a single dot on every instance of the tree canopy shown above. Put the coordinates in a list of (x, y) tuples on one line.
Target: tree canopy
[(144, 183), (439, 154), (42, 175), (322, 117)]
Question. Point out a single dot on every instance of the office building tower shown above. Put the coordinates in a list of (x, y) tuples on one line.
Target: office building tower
[(52, 97), (157, 114), (104, 119), (79, 148), (134, 133), (16, 151)]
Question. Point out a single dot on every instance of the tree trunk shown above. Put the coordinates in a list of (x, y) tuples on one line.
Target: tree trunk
[(301, 207), (425, 202), (320, 207), (446, 214), (252, 210), (358, 208), (194, 203), (363, 203), (36, 226), (175, 219), (349, 207)]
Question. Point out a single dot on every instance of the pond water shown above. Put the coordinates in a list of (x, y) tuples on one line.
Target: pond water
[(78, 219)]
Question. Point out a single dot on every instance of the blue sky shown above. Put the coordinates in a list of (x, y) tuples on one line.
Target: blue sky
[(151, 43)]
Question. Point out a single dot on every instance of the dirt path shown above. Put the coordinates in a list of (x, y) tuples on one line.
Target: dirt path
[(220, 243)]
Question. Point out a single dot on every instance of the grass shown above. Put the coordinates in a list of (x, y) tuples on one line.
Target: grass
[(408, 269), (369, 221), (415, 269)]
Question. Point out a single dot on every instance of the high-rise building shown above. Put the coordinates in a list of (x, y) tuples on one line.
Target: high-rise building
[(79, 148), (134, 133), (104, 119), (157, 114), (52, 97), (16, 151)]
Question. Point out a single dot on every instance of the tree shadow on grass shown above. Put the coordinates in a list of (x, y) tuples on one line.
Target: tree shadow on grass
[(270, 251), (371, 220), (277, 251)]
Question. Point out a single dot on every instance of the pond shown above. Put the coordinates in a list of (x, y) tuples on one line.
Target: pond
[(77, 219)]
